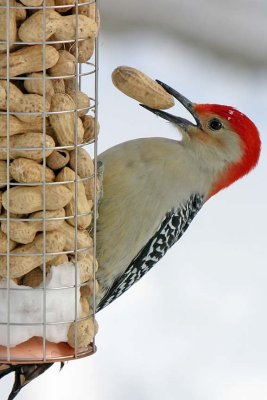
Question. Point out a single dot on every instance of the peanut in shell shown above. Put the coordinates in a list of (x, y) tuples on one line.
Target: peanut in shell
[(141, 87)]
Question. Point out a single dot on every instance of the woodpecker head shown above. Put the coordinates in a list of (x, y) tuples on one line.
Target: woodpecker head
[(225, 140)]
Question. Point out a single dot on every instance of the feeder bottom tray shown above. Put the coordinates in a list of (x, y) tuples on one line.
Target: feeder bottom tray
[(31, 352)]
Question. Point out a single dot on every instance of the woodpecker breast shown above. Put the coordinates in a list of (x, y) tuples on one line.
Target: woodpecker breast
[(171, 229), (149, 185)]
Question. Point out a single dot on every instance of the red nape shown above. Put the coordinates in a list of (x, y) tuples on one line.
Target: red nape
[(248, 134)]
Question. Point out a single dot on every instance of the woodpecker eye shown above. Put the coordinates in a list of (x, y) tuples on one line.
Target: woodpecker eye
[(215, 124)]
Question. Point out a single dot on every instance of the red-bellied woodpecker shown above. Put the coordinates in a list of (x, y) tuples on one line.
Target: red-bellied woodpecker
[(154, 187)]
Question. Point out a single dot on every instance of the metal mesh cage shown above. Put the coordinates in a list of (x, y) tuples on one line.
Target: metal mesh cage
[(49, 185)]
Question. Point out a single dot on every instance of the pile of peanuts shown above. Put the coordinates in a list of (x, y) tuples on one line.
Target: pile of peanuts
[(64, 130)]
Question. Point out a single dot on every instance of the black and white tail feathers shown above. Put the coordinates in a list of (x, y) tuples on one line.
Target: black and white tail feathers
[(24, 374)]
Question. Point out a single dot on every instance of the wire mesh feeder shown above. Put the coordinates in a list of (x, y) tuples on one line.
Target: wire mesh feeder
[(49, 184)]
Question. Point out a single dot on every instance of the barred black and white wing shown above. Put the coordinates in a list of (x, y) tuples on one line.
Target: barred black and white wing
[(171, 229)]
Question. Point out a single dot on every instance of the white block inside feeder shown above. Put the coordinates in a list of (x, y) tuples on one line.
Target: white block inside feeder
[(26, 306)]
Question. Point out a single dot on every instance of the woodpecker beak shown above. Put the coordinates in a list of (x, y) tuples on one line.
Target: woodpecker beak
[(182, 122)]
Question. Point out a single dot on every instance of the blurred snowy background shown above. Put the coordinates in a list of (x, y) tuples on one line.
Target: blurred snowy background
[(195, 327)]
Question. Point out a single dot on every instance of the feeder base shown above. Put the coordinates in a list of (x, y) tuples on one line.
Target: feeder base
[(31, 352)]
